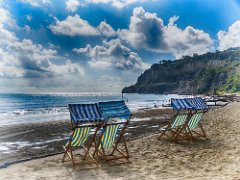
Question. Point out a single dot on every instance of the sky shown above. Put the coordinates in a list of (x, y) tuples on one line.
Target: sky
[(104, 45)]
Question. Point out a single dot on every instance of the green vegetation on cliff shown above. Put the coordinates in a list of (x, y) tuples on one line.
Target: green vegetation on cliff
[(210, 73)]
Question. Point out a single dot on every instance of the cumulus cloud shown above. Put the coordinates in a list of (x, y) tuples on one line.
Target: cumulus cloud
[(73, 26), (231, 37), (186, 41), (5, 17), (23, 58), (36, 3), (147, 30), (34, 60), (6, 20), (9, 65), (106, 30), (115, 3), (68, 67), (112, 54), (72, 5)]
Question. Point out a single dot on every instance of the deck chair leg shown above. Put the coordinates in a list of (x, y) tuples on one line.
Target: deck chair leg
[(204, 133), (190, 134), (121, 137), (65, 152), (104, 153), (126, 154), (125, 144), (71, 153), (90, 144), (163, 132), (98, 156), (177, 133)]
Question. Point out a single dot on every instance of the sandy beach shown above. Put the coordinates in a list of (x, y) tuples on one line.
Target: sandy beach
[(218, 157)]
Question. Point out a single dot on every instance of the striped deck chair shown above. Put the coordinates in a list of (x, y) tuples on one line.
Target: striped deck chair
[(85, 118), (199, 109), (173, 129), (113, 133), (191, 129)]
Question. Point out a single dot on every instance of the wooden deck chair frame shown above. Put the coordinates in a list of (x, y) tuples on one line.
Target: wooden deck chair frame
[(111, 157), (69, 149), (174, 133), (191, 134)]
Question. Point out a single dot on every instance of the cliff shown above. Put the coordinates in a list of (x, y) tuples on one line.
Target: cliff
[(217, 73)]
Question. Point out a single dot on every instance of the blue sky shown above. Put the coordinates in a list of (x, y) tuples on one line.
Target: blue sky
[(104, 45)]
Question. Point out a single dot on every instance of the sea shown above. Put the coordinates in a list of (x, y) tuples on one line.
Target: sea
[(20, 108)]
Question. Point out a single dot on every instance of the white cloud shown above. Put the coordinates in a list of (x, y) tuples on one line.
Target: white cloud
[(29, 17), (186, 41), (114, 3), (106, 30), (6, 18), (68, 67), (36, 3), (73, 26), (146, 30), (9, 65), (27, 28), (112, 54), (72, 5), (23, 58), (37, 61), (6, 21), (53, 46), (231, 37)]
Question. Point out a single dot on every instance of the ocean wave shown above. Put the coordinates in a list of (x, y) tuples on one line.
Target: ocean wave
[(21, 108)]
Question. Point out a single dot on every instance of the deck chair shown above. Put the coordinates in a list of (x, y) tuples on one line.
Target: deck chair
[(172, 130), (181, 115), (194, 128), (113, 133), (84, 118)]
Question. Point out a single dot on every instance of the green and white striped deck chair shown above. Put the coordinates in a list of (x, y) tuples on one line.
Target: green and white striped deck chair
[(192, 131), (80, 115), (173, 129), (113, 133), (194, 128)]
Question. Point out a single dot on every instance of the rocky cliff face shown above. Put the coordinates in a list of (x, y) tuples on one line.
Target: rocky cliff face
[(217, 72)]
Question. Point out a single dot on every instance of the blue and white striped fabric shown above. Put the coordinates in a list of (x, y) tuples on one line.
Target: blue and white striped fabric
[(197, 103), (84, 113), (114, 109), (180, 104)]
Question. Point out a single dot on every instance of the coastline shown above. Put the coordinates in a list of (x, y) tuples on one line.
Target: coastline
[(214, 158)]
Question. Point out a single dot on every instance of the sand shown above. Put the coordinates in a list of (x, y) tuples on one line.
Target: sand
[(218, 157)]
